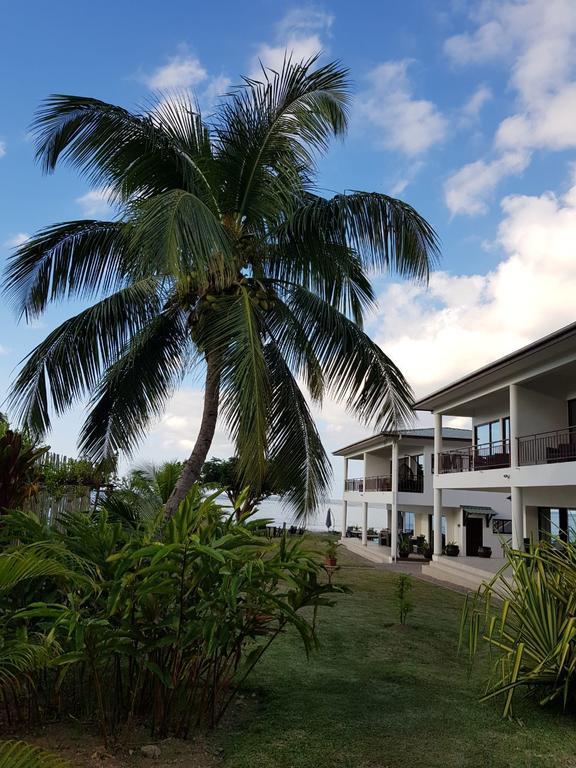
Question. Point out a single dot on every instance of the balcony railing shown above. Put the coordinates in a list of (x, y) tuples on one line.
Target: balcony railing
[(384, 483), (547, 447), (493, 455)]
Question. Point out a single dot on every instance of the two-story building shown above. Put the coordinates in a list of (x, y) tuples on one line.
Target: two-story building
[(394, 473), (523, 442)]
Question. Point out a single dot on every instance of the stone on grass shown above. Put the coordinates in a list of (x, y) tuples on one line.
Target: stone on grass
[(151, 750)]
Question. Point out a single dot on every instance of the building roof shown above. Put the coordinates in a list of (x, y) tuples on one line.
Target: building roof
[(423, 433), (568, 332)]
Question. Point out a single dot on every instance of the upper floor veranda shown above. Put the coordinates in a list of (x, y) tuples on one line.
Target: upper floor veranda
[(523, 416)]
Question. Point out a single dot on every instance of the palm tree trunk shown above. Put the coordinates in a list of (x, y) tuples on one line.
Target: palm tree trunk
[(193, 465)]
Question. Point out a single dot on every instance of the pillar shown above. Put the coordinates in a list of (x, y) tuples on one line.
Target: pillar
[(514, 424), (344, 518), (394, 505), (517, 518), (365, 524), (437, 491)]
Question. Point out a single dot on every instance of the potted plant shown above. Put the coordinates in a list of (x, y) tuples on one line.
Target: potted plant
[(426, 550), (330, 552), (452, 549), (404, 547), (484, 551)]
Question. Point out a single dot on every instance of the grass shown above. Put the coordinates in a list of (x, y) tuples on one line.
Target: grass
[(378, 695)]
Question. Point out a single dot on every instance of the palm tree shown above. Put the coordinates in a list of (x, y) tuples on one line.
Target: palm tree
[(224, 259)]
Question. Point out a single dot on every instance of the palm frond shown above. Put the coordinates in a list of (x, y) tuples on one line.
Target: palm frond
[(297, 458), (136, 387), (386, 233), (73, 259), (70, 361), (355, 369), (270, 129), (18, 754)]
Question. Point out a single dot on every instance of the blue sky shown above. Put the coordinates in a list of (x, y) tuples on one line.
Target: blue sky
[(464, 109)]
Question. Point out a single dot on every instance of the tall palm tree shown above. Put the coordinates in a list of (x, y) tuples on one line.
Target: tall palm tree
[(223, 258)]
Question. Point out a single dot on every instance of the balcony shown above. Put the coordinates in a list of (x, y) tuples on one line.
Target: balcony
[(383, 483), (494, 455), (547, 447)]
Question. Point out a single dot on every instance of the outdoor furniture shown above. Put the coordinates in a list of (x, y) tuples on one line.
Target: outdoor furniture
[(384, 537)]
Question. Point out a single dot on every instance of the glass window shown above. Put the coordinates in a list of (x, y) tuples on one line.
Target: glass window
[(502, 527), (489, 437), (482, 434)]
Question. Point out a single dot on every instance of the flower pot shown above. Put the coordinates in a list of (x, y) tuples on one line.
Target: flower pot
[(403, 555), (452, 550), (484, 551), (330, 562), (427, 554)]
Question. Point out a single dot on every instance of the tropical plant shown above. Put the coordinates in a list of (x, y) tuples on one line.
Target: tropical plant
[(19, 468), (402, 595), (158, 621), (527, 615), (223, 473), (18, 754), (404, 545), (223, 259)]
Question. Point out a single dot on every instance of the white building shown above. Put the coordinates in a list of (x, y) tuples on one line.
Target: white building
[(512, 475), (395, 469), (523, 411)]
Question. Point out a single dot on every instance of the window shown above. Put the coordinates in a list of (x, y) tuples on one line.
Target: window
[(411, 473), (493, 437), (502, 527), (557, 523)]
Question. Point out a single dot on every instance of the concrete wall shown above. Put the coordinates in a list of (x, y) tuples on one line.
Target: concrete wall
[(540, 413)]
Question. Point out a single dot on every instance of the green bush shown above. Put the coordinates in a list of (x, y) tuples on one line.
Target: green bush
[(528, 618), (146, 619)]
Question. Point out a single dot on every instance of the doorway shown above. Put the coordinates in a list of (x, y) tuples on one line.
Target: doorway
[(473, 535)]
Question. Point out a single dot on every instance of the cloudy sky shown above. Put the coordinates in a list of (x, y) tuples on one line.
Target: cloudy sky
[(464, 109)]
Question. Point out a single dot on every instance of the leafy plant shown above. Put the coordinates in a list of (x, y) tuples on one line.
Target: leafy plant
[(19, 468), (402, 594), (147, 619), (331, 549), (225, 259), (18, 754), (404, 545), (527, 616)]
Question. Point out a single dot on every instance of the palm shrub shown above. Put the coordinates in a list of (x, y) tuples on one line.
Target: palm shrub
[(155, 621), (527, 616), (224, 261), (19, 467), (18, 754)]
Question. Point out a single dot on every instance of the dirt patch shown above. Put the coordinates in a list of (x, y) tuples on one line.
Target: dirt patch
[(82, 747)]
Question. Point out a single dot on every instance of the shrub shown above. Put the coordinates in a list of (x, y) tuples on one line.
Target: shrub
[(159, 621), (528, 619)]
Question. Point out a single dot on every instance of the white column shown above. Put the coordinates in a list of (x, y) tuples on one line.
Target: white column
[(365, 524), (344, 518), (514, 424), (517, 518), (515, 492), (364, 476), (394, 506), (437, 491)]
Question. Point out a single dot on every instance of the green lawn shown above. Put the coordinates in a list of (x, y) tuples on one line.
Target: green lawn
[(377, 695)]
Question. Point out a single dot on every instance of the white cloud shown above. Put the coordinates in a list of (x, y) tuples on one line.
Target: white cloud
[(467, 190), (181, 71), (217, 86), (463, 322), (15, 240), (300, 34), (2, 148), (472, 107), (401, 121), (536, 39), (95, 204)]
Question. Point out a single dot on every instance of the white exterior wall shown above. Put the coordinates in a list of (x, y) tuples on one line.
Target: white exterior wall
[(540, 413)]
